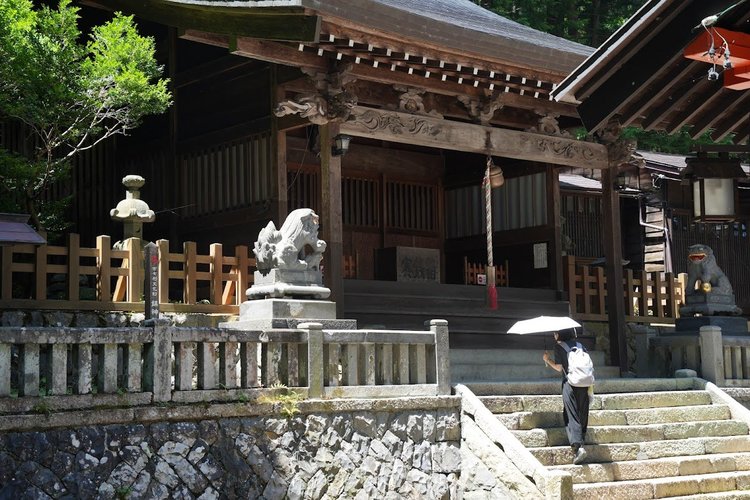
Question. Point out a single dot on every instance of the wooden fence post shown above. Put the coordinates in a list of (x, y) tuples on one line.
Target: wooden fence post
[(243, 272), (135, 270), (163, 246), (569, 271), (74, 266), (104, 268), (217, 272), (40, 268), (189, 251), (439, 328), (314, 358), (629, 293), (7, 272)]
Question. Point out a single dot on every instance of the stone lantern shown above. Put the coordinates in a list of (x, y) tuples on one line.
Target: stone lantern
[(132, 211)]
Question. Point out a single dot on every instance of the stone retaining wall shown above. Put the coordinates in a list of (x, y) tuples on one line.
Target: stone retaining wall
[(350, 449)]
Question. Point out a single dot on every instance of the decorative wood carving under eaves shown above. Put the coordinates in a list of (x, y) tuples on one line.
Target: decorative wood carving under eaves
[(398, 123), (620, 150), (482, 110), (411, 101), (458, 136), (331, 103), (548, 125)]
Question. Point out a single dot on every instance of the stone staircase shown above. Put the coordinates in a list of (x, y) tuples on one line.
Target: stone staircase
[(404, 305), (647, 438), (494, 365)]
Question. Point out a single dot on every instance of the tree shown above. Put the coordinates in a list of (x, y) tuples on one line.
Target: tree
[(70, 92), (588, 22)]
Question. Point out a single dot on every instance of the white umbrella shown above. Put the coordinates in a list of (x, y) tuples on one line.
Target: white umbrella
[(543, 324)]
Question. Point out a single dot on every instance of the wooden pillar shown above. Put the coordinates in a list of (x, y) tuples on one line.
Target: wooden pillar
[(613, 257), (330, 218), (553, 216), (280, 209), (173, 173)]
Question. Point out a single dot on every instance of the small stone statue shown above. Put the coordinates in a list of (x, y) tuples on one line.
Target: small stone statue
[(708, 290), (295, 246), (288, 259)]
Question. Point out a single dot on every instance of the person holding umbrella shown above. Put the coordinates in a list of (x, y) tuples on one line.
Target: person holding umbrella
[(576, 400)]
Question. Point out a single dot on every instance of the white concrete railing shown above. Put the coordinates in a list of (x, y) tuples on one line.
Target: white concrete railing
[(76, 367), (721, 359)]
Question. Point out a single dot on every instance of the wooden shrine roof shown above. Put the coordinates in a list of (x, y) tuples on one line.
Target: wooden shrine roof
[(448, 46), (640, 77)]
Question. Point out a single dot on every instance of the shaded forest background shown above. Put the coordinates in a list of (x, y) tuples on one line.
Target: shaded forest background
[(591, 22)]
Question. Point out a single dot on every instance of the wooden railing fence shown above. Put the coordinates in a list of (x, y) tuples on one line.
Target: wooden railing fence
[(650, 297), (471, 270), (161, 363), (72, 277)]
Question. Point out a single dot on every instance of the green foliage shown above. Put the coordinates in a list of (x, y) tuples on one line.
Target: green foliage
[(70, 92), (283, 398), (677, 143), (588, 22)]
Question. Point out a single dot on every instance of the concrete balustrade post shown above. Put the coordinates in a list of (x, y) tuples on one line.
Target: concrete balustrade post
[(643, 353), (314, 358), (162, 360), (712, 354), (442, 355)]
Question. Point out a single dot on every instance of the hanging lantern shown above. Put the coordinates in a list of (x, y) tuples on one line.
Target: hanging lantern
[(714, 186)]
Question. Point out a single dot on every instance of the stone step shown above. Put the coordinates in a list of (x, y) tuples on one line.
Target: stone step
[(530, 420), (658, 467), (721, 495), (511, 356), (664, 487), (549, 403), (477, 372), (602, 386), (556, 436), (618, 452)]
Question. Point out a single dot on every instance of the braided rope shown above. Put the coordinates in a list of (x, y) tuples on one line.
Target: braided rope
[(488, 210)]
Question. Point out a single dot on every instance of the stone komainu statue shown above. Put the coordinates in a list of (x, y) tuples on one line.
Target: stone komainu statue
[(294, 247), (708, 290)]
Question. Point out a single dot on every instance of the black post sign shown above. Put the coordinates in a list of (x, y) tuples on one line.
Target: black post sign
[(152, 281)]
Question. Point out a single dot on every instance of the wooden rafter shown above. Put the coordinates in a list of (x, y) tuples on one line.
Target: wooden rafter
[(709, 118), (632, 73), (657, 89), (285, 54), (701, 103), (676, 101), (731, 122)]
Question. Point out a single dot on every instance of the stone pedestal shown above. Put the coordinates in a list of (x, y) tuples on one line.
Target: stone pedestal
[(708, 304), (266, 314), (279, 283), (730, 325)]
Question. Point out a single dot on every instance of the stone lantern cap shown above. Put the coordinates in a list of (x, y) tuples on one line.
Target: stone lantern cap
[(132, 208)]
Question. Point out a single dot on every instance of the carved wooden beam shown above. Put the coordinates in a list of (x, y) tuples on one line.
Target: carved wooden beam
[(432, 132)]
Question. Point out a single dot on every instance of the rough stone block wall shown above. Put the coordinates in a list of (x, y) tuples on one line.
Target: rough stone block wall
[(364, 454)]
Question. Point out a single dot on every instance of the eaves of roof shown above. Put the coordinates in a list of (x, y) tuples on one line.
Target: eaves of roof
[(456, 25)]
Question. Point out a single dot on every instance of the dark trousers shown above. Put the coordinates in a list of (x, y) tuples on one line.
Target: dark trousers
[(576, 412)]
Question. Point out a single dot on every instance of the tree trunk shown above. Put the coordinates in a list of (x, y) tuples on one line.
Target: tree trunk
[(596, 22)]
